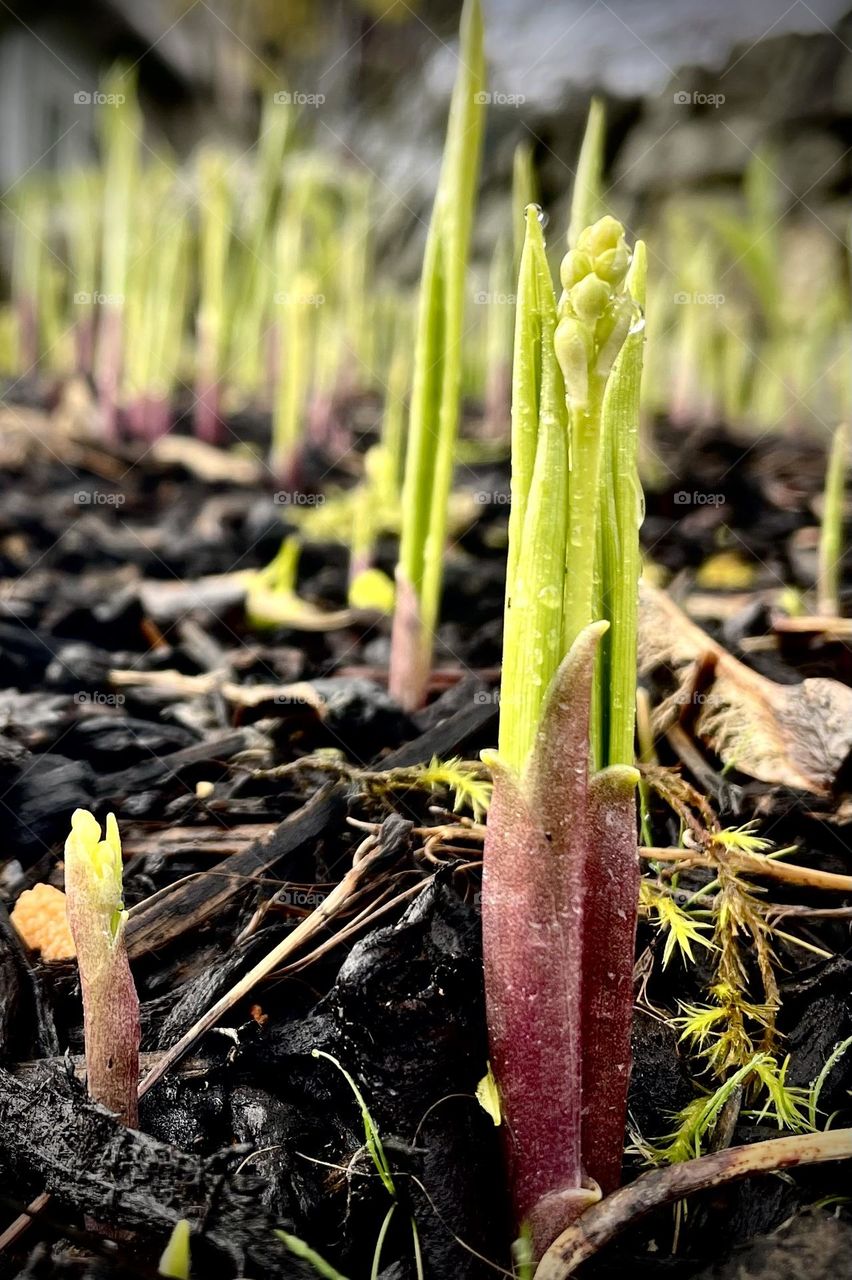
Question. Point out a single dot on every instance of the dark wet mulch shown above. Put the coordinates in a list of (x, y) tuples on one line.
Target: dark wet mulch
[(250, 1131)]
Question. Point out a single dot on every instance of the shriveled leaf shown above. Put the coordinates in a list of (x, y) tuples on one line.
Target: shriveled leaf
[(792, 735)]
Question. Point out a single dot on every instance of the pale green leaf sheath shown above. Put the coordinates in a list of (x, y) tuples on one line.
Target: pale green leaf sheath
[(533, 639)]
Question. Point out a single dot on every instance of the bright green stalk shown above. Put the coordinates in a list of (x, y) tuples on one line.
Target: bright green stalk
[(595, 314), (621, 516), (532, 628), (93, 888), (297, 320), (122, 127), (435, 400), (587, 196), (295, 323), (82, 196), (168, 319), (831, 529), (215, 211), (393, 419), (354, 271), (257, 241), (524, 192), (155, 303)]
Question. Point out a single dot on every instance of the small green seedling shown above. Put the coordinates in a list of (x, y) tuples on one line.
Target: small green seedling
[(175, 1259), (300, 1249), (373, 1143), (95, 905), (560, 874)]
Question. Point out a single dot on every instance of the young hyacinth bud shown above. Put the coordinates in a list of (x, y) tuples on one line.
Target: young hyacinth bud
[(589, 297), (574, 267), (595, 309), (573, 347), (607, 233), (612, 265), (93, 887)]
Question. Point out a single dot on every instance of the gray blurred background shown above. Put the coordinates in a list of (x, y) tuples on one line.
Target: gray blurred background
[(694, 86)]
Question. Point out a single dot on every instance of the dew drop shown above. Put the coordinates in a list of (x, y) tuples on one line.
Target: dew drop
[(550, 596)]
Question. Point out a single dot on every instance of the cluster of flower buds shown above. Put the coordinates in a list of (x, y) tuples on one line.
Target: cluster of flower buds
[(595, 309)]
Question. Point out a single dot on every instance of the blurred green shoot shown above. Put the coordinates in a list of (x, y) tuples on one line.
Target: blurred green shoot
[(215, 215), (435, 402), (587, 196), (121, 131), (175, 1259), (830, 559)]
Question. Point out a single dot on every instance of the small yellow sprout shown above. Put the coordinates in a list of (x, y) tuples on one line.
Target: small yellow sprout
[(488, 1097), (93, 887), (175, 1258)]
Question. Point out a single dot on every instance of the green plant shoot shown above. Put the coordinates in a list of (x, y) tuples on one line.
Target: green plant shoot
[(587, 196), (560, 874), (524, 192), (122, 129), (435, 401), (831, 527), (175, 1259), (538, 525), (95, 905), (215, 211)]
